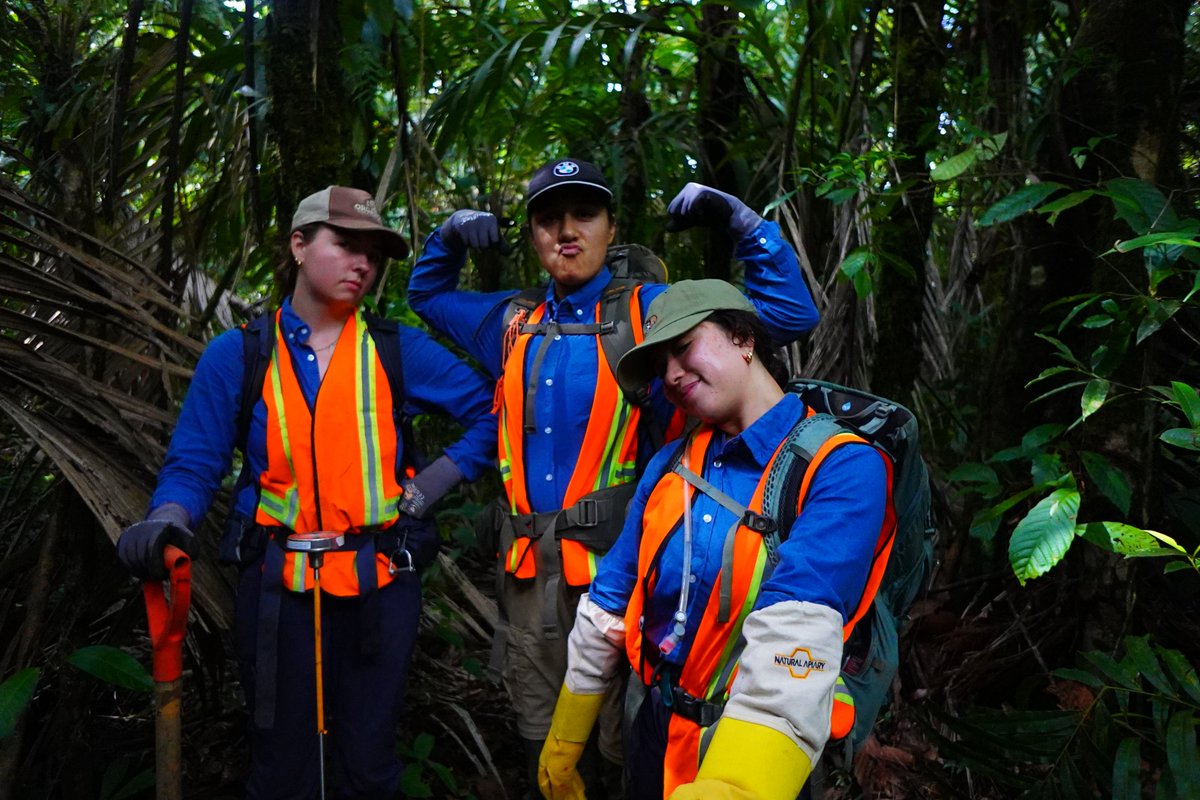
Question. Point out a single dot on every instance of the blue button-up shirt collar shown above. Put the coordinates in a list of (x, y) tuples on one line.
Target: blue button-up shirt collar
[(580, 304), (762, 437), (294, 329)]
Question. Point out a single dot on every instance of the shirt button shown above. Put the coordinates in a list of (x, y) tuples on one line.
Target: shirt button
[(557, 336), (291, 337), (762, 240), (708, 517), (549, 477), (717, 463), (692, 578), (547, 429), (311, 357), (549, 381), (579, 312)]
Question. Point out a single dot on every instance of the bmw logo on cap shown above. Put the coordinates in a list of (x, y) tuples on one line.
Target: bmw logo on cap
[(565, 169)]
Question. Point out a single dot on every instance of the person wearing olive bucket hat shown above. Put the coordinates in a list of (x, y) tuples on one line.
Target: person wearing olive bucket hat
[(317, 396), (687, 578), (571, 443)]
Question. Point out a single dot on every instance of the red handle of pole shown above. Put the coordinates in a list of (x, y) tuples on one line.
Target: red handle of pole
[(168, 614)]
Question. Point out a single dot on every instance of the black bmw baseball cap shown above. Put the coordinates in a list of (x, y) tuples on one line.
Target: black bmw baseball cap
[(566, 172)]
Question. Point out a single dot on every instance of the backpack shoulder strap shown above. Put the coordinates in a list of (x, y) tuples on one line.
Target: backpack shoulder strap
[(615, 308), (528, 299), (386, 334), (787, 474), (258, 340)]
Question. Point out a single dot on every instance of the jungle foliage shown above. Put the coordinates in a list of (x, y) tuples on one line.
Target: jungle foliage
[(995, 207)]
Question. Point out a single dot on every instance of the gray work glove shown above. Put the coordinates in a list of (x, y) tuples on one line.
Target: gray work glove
[(697, 204), (428, 486), (140, 548), (478, 230)]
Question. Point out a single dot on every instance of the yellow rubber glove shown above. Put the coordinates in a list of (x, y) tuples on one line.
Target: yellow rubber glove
[(574, 716), (746, 761)]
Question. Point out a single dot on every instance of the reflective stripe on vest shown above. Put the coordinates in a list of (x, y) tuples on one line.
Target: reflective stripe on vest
[(607, 456), (334, 469), (703, 674)]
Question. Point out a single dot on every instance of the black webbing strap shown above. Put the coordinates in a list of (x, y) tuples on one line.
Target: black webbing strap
[(548, 331)]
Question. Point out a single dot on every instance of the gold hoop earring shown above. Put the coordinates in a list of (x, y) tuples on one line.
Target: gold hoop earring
[(748, 357)]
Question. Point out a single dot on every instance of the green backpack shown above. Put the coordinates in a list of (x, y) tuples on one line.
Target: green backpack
[(871, 656)]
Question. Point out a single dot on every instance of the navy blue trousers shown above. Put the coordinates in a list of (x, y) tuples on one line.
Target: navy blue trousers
[(363, 694)]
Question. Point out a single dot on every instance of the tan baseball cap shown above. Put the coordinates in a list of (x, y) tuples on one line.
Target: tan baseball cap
[(683, 306), (351, 209)]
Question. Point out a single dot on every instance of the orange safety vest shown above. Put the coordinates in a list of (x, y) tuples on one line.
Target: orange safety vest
[(607, 457), (703, 674), (332, 467)]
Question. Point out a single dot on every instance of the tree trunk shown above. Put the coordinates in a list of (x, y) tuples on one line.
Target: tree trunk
[(917, 40), (720, 74)]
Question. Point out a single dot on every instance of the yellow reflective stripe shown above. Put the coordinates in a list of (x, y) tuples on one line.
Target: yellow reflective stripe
[(506, 467), (367, 428), (299, 568), (841, 694), (760, 564), (609, 473), (286, 508)]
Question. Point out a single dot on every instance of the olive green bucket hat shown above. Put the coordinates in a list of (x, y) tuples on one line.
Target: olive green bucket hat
[(683, 306)]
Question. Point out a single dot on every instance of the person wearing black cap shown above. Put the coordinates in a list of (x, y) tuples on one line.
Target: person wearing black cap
[(733, 627), (571, 443), (317, 397)]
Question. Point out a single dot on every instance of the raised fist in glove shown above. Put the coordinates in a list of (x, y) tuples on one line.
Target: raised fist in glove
[(140, 548), (478, 230), (697, 204)]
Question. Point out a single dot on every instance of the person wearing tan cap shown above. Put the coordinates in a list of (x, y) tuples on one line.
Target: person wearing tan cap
[(731, 621), (318, 396), (571, 442)]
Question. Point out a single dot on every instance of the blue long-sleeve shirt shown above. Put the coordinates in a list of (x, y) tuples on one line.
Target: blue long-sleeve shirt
[(825, 558), (474, 321), (202, 445)]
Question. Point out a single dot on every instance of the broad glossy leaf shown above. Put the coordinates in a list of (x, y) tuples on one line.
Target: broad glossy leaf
[(955, 165), (855, 261), (1120, 538), (15, 694), (112, 665), (1139, 653), (1093, 397), (1043, 537), (1187, 438), (1114, 672), (1140, 204), (1108, 479), (1153, 239), (1158, 314), (1183, 756), (1127, 768), (1189, 402), (1018, 202), (1182, 672)]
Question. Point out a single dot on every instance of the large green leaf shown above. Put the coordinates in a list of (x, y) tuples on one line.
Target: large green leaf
[(1121, 538), (1018, 202), (1108, 479), (1183, 755), (955, 165), (1189, 402), (1187, 438), (112, 665), (1093, 397), (15, 693), (1043, 537)]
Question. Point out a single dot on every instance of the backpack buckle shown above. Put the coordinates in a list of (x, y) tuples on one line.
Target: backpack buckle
[(758, 523), (587, 513)]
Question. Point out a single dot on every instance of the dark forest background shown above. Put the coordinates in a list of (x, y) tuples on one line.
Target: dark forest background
[(995, 205)]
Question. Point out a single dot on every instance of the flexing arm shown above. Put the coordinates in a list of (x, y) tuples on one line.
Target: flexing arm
[(472, 320), (773, 280)]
